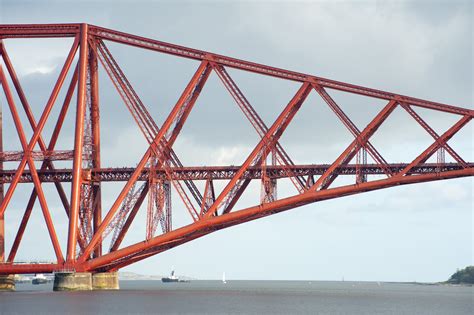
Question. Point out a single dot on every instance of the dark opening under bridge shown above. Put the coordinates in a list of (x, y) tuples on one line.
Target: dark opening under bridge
[(159, 170)]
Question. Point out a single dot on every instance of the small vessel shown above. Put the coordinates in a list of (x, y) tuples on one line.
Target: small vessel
[(223, 278), (173, 278), (39, 279)]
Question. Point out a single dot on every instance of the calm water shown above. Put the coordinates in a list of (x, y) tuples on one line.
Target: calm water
[(243, 297)]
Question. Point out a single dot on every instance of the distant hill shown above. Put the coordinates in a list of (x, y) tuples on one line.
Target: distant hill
[(135, 276), (463, 276), (126, 275)]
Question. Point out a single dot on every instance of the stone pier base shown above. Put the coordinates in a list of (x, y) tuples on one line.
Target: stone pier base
[(85, 281), (7, 282), (72, 281), (105, 281)]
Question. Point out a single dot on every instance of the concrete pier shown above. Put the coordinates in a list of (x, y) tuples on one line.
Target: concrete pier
[(105, 281), (72, 281), (85, 281), (7, 282)]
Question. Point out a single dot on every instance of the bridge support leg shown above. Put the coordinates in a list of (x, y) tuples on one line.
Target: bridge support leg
[(105, 281), (7, 283), (72, 281)]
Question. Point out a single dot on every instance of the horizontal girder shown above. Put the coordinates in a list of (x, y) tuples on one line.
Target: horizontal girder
[(120, 174), (56, 155)]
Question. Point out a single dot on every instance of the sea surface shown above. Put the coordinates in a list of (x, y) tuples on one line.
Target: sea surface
[(243, 297)]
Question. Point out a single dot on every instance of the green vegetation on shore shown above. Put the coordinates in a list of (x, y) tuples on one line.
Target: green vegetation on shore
[(465, 275)]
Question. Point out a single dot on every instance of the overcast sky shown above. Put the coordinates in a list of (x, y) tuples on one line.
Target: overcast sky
[(424, 49)]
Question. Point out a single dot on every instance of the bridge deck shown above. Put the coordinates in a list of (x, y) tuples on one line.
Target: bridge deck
[(118, 174)]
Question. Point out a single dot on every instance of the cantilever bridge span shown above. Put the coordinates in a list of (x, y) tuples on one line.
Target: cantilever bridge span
[(149, 185)]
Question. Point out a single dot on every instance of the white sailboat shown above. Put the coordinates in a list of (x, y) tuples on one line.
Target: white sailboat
[(223, 278)]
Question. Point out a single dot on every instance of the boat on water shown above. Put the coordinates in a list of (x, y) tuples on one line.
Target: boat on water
[(39, 279), (223, 278), (173, 278)]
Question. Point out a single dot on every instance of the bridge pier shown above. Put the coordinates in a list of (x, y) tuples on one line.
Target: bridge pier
[(85, 281), (72, 281), (7, 283), (105, 281)]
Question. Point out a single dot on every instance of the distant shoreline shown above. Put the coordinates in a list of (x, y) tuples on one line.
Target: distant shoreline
[(130, 276)]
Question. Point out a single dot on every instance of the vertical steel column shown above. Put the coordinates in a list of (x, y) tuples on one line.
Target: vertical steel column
[(78, 141), (95, 124), (2, 216)]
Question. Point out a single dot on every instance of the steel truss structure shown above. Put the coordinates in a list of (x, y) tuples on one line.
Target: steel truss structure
[(160, 171)]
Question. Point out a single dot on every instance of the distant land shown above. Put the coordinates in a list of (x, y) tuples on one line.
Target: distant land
[(463, 276), (126, 275)]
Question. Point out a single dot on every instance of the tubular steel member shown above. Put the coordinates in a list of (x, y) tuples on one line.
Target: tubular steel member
[(2, 217), (160, 169), (78, 143), (95, 126)]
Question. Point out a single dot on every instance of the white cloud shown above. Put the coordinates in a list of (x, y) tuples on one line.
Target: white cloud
[(40, 69), (228, 155)]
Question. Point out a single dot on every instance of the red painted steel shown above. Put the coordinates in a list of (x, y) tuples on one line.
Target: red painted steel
[(2, 186), (160, 168), (120, 174), (78, 145)]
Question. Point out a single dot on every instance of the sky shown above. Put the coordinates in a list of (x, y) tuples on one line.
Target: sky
[(421, 232)]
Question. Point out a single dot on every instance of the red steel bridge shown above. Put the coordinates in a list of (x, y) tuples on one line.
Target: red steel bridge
[(159, 171)]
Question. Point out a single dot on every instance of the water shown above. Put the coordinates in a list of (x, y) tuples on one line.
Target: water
[(243, 297)]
